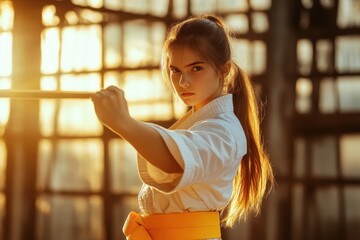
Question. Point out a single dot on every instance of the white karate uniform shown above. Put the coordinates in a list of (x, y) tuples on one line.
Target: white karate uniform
[(208, 144)]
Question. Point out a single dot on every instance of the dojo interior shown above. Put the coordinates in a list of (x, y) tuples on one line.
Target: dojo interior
[(63, 176)]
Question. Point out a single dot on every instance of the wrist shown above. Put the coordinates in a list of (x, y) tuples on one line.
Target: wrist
[(125, 126)]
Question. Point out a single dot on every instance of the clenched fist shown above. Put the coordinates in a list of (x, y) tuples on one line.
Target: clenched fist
[(111, 108)]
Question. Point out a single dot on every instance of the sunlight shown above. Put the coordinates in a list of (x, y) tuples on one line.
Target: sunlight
[(147, 95), (304, 52), (112, 78), (6, 15), (72, 18), (89, 16), (145, 85), (260, 4), (349, 146), (43, 206), (81, 48), (81, 82), (47, 107), (90, 3), (6, 54), (47, 116), (77, 116), (50, 46), (112, 45), (238, 22), (304, 90), (48, 83), (123, 166), (348, 93), (76, 164), (242, 50), (5, 83), (49, 17), (151, 111), (258, 61), (136, 43), (303, 87)]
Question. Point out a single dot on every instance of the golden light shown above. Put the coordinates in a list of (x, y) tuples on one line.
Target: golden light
[(242, 53), (49, 17), (81, 48), (304, 55), (6, 24), (80, 160), (6, 54), (122, 156), (6, 15), (349, 146), (112, 45), (50, 47), (112, 78), (5, 83), (47, 116), (304, 90), (90, 3), (48, 83), (303, 87), (72, 18), (90, 16), (47, 107), (260, 4), (43, 206), (78, 116), (147, 95), (136, 46)]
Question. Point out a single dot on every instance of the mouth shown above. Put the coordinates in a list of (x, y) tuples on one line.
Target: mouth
[(187, 94)]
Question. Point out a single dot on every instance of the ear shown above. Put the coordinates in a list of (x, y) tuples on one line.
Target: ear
[(225, 69)]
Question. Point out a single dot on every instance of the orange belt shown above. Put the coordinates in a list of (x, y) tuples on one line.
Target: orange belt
[(175, 226)]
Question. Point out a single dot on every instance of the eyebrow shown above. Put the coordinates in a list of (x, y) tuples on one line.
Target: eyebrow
[(191, 64)]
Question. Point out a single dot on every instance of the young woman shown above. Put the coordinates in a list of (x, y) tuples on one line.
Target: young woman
[(211, 162)]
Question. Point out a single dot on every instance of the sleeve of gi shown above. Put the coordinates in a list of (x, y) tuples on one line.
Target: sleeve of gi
[(202, 151)]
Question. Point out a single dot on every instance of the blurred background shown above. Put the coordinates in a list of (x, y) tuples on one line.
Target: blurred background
[(63, 176)]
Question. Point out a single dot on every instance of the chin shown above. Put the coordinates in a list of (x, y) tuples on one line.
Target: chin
[(190, 103)]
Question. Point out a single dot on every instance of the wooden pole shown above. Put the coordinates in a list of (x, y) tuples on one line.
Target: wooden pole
[(39, 94)]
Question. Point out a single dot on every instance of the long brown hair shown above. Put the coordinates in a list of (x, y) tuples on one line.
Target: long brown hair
[(209, 37)]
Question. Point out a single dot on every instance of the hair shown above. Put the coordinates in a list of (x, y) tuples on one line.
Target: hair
[(208, 36)]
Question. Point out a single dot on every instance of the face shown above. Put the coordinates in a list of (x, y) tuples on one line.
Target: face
[(195, 81)]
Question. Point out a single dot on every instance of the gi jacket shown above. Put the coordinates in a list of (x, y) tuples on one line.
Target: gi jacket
[(208, 144)]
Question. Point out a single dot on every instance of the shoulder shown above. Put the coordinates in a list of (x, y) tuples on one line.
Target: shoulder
[(226, 122), (226, 125)]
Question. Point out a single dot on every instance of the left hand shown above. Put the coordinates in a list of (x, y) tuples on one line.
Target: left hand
[(111, 108)]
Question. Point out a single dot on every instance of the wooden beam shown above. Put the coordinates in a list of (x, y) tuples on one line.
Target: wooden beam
[(38, 94)]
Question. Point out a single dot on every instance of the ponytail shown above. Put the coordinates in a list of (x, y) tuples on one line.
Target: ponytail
[(254, 173)]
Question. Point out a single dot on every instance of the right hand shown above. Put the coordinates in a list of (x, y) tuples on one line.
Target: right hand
[(111, 107)]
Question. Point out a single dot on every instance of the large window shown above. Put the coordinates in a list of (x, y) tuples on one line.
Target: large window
[(84, 169)]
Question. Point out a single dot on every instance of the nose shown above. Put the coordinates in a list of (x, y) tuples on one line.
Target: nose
[(184, 81)]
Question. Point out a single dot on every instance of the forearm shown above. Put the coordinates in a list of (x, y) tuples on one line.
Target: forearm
[(149, 144), (111, 109)]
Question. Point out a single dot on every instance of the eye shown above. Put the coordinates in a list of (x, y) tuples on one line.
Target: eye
[(174, 70), (197, 68)]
